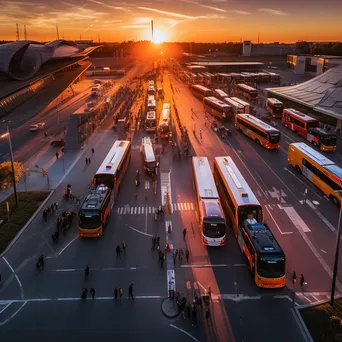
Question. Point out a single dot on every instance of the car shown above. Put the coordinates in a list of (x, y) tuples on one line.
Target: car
[(57, 142), (37, 126)]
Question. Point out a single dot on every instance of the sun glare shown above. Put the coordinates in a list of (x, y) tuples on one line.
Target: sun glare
[(159, 37)]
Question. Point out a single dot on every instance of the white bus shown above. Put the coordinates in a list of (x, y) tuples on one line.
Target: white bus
[(248, 109), (220, 94), (151, 90), (218, 109), (166, 106), (149, 158), (200, 91), (151, 103), (164, 126), (151, 121), (114, 167), (211, 218), (151, 83), (237, 107)]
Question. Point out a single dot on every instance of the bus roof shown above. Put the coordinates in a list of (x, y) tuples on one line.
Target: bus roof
[(242, 102), (148, 150), (113, 158), (241, 191), (258, 122), (151, 115), (95, 198), (204, 178), (313, 154), (197, 86), (217, 101), (274, 101), (221, 93), (212, 208), (150, 98), (245, 86), (233, 102), (166, 106), (299, 114)]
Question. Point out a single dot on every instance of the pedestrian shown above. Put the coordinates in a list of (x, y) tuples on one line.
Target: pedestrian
[(153, 242), (86, 161), (162, 260), (45, 215), (89, 160), (124, 246), (187, 254), (184, 233), (158, 241), (116, 293), (56, 205), (57, 155), (130, 291), (92, 292), (207, 315), (302, 281), (160, 255), (180, 255), (84, 293), (120, 293), (174, 258), (118, 250), (62, 150), (52, 208), (92, 151)]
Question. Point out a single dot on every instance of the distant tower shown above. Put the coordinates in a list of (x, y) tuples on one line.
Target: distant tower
[(152, 29), (57, 31), (98, 36), (80, 36), (258, 38), (18, 37), (25, 33)]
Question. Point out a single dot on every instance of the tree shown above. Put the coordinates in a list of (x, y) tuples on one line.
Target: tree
[(6, 179)]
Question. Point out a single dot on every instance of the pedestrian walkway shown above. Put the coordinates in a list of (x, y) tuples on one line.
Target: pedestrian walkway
[(127, 210)]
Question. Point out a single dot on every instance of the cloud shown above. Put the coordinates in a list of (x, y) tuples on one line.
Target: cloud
[(134, 26), (272, 11), (219, 1), (171, 14), (214, 8), (173, 22), (239, 12), (142, 20), (190, 1), (109, 6)]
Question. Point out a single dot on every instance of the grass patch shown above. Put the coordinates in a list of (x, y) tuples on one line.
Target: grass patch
[(29, 202), (323, 321)]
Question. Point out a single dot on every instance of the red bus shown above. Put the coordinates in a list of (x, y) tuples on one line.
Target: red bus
[(298, 122), (274, 107)]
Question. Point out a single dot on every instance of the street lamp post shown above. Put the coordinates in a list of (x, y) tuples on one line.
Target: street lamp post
[(338, 237), (7, 134)]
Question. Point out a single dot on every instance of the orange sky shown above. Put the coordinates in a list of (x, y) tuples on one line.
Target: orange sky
[(178, 20)]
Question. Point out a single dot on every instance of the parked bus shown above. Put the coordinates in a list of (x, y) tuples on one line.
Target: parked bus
[(218, 109), (151, 103), (200, 91), (274, 78), (323, 139), (94, 212), (262, 133), (237, 107), (298, 122), (236, 77), (211, 218), (220, 94), (151, 121), (151, 90), (247, 108), (264, 77), (114, 167), (265, 258), (246, 91), (149, 158), (164, 127), (274, 107), (321, 171), (224, 78)]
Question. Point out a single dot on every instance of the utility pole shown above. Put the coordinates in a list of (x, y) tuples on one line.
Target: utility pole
[(152, 30), (18, 37), (57, 31), (258, 38), (25, 33)]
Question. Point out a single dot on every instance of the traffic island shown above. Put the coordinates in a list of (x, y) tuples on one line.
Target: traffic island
[(170, 308), (14, 220), (323, 321)]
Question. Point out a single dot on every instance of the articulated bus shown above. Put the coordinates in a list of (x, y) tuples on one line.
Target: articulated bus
[(265, 258), (274, 107), (318, 169), (151, 121), (164, 127), (308, 127), (237, 107), (248, 109), (200, 91), (218, 109), (94, 212), (114, 167), (211, 218), (220, 94), (262, 133), (246, 91)]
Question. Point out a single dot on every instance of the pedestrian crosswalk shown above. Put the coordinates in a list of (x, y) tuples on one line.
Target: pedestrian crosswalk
[(127, 210)]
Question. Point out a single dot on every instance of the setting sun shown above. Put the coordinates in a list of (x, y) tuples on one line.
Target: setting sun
[(159, 37)]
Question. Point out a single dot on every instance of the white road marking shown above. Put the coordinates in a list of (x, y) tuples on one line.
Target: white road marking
[(138, 231), (7, 305), (66, 270), (192, 206), (295, 218), (312, 206), (135, 210), (281, 232), (16, 277), (132, 209), (181, 204), (68, 245), (315, 202), (145, 219), (138, 210), (178, 206), (142, 210), (184, 332), (214, 265), (118, 212), (12, 316), (324, 251), (121, 211)]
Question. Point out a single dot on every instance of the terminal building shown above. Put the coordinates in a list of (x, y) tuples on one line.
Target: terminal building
[(275, 49), (226, 67), (320, 97)]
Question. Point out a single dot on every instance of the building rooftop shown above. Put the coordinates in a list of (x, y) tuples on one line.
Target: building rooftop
[(228, 63)]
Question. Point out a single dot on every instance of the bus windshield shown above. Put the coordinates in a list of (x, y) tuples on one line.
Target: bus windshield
[(274, 137), (214, 227), (278, 108), (271, 265), (89, 219), (246, 211), (312, 124), (329, 140), (107, 180)]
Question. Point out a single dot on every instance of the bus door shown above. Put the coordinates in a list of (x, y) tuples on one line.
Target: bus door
[(112, 199), (305, 170)]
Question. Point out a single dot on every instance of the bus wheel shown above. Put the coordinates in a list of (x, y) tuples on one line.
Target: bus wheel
[(298, 169), (335, 200), (257, 141)]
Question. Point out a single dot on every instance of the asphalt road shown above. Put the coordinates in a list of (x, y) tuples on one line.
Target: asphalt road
[(40, 306)]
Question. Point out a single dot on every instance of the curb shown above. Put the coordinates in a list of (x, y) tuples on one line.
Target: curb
[(166, 314)]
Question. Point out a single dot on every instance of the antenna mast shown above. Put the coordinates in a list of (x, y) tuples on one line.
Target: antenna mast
[(57, 31), (152, 30), (18, 37), (25, 33)]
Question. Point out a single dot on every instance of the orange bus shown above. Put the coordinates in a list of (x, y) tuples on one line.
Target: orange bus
[(274, 107), (262, 133)]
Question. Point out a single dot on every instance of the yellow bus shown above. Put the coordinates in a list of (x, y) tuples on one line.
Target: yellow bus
[(264, 256), (94, 212), (318, 169), (262, 133)]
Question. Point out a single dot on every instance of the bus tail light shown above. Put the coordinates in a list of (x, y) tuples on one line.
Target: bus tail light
[(222, 242), (204, 241)]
